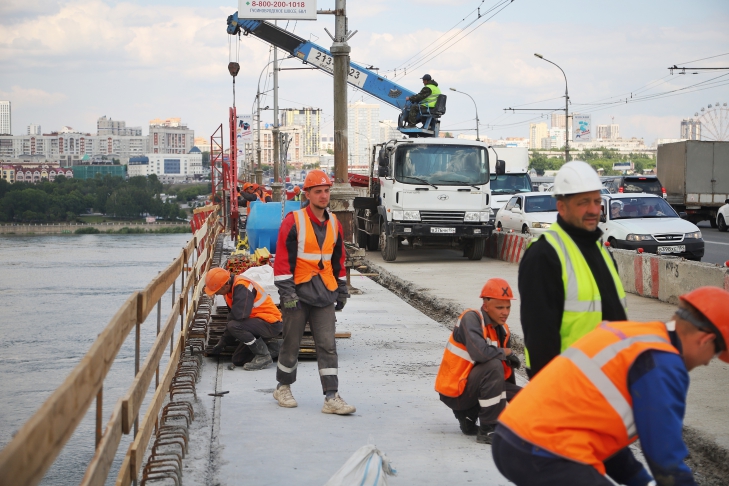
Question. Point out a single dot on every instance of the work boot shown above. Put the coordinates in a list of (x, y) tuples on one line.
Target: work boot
[(468, 425), (262, 357), (284, 396), (337, 405), (485, 433)]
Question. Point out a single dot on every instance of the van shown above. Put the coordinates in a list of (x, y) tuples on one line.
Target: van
[(635, 184)]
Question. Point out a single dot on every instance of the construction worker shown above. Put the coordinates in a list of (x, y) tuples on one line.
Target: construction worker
[(623, 381), (253, 316), (426, 98), (570, 278), (475, 378), (247, 195), (310, 275), (297, 194)]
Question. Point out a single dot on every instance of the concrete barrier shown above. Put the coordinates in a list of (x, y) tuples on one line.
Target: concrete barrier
[(509, 247)]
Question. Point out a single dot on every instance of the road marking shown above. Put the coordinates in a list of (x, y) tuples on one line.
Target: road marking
[(716, 242)]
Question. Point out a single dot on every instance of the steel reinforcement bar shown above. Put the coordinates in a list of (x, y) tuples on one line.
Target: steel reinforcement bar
[(26, 459)]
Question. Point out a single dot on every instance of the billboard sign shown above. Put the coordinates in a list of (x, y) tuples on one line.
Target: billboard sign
[(582, 126), (276, 10), (244, 133)]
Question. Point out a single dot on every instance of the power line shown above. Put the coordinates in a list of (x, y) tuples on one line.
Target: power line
[(703, 59)]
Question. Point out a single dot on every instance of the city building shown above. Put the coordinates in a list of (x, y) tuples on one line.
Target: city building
[(608, 132), (557, 120), (202, 143), (34, 129), (6, 125), (107, 126), (167, 167), (554, 139), (296, 153), (309, 122), (8, 173), (389, 131), (537, 131), (691, 129), (661, 141), (91, 171), (363, 132), (38, 173), (169, 136), (327, 143)]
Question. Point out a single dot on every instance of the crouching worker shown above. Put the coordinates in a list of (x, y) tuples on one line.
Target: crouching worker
[(623, 381), (476, 376), (253, 316)]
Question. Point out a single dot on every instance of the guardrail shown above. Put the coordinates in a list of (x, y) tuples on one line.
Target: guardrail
[(25, 460)]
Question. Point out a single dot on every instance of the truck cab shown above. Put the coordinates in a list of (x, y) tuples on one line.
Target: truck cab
[(515, 179), (427, 193)]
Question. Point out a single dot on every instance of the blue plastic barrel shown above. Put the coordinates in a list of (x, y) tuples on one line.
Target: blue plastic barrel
[(264, 222)]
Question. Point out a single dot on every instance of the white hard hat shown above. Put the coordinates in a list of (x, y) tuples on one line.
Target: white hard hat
[(576, 177)]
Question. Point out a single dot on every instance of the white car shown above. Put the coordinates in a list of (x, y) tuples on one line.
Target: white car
[(528, 213), (722, 217), (647, 221)]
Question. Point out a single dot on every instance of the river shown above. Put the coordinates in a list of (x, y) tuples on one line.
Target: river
[(58, 293)]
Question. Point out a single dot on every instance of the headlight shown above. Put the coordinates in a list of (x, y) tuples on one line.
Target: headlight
[(695, 234), (486, 216), (471, 216), (541, 225), (397, 215), (632, 237), (412, 215)]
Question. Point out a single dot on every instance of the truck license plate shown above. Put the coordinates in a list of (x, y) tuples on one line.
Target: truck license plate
[(442, 230), (672, 249)]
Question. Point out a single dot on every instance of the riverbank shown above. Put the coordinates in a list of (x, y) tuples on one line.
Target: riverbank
[(93, 228)]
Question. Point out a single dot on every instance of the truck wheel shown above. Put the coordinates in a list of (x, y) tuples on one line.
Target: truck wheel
[(373, 242), (388, 245), (475, 250), (721, 223), (525, 230), (362, 239)]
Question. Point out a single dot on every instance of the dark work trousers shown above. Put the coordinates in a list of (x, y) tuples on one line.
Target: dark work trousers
[(414, 114), (247, 331), (322, 323), (527, 465), (485, 395)]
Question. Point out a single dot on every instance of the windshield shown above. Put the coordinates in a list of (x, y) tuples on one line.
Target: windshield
[(441, 164), (642, 184), (511, 184), (641, 207), (540, 204)]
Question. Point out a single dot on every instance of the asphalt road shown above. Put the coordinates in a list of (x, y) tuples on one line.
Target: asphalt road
[(717, 244)]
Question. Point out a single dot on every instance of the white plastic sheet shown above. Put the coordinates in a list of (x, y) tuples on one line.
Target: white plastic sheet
[(263, 276), (366, 467)]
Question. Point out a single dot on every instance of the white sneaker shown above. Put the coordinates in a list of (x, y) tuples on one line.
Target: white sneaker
[(284, 397), (338, 406)]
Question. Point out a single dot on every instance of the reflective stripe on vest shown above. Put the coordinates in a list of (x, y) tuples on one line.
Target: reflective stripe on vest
[(583, 304), (430, 100), (579, 406), (307, 261)]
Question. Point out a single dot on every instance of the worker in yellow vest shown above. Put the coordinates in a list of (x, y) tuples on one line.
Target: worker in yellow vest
[(476, 376), (426, 98), (573, 423), (570, 277), (253, 316)]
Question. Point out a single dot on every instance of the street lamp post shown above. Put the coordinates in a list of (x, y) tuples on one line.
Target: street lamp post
[(566, 110), (478, 139), (369, 145)]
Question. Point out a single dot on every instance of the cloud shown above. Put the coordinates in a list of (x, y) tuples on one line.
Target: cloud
[(30, 97), (15, 10)]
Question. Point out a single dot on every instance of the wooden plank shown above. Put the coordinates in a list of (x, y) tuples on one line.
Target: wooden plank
[(201, 233), (100, 464), (139, 446), (187, 249), (157, 288), (132, 401), (202, 259), (125, 473), (34, 448)]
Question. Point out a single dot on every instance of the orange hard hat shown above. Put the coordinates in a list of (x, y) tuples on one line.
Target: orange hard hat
[(247, 185), (215, 279), (297, 189), (713, 303), (315, 178), (255, 186), (497, 288)]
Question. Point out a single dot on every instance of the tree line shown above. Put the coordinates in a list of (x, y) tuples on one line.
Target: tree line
[(65, 199), (601, 158)]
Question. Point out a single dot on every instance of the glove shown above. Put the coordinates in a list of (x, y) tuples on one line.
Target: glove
[(513, 361), (291, 304), (340, 304)]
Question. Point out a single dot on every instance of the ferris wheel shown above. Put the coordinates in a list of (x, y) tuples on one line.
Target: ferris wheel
[(714, 122)]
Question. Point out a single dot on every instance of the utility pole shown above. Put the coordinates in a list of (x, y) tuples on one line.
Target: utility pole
[(276, 186), (259, 171)]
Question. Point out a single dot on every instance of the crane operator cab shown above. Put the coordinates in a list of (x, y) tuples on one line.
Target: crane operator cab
[(429, 116)]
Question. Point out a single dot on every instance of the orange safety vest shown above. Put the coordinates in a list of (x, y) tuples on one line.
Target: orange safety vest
[(579, 407), (457, 363), (263, 306), (311, 259)]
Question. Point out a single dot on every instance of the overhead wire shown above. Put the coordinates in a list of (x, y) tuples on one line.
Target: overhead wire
[(702, 59)]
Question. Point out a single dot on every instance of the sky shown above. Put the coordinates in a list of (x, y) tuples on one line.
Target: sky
[(66, 63)]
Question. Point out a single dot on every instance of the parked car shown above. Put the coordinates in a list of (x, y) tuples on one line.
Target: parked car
[(722, 217), (634, 184), (632, 221), (529, 213)]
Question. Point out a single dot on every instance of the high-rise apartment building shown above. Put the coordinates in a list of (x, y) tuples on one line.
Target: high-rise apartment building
[(310, 121), (107, 126), (691, 129), (6, 125), (537, 131), (389, 131), (608, 132), (363, 132), (169, 136), (34, 129), (558, 120)]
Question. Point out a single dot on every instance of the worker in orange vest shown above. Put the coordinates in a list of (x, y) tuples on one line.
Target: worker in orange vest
[(573, 423), (311, 279), (476, 376), (253, 317)]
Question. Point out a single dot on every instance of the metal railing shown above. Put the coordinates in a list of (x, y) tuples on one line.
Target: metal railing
[(26, 459)]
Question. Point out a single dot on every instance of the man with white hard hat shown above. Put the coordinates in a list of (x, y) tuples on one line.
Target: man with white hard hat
[(570, 279)]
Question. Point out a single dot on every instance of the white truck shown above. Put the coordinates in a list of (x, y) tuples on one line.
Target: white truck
[(515, 178), (428, 192)]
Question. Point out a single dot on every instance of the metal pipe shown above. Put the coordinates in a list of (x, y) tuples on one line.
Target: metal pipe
[(340, 52), (478, 139), (276, 186)]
